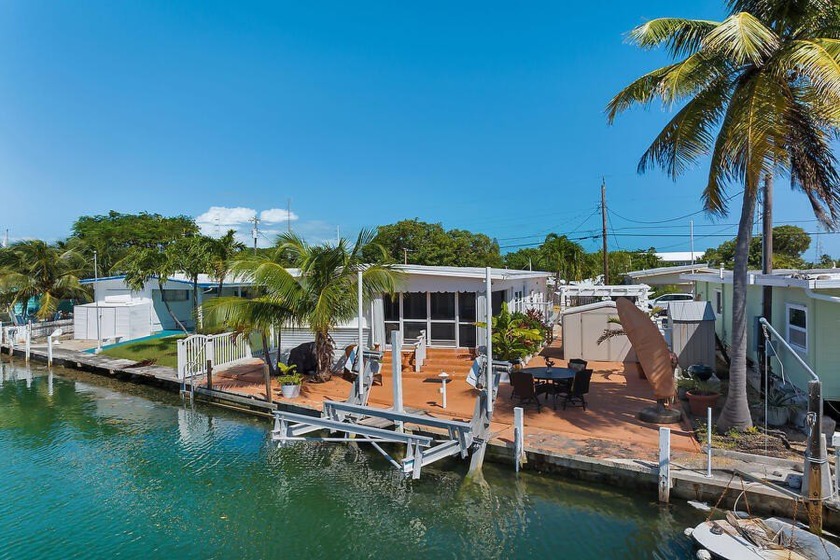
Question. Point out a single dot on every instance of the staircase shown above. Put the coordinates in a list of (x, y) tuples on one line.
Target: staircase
[(454, 361)]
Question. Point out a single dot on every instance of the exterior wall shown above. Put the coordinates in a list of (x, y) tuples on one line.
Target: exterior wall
[(823, 339), (581, 331)]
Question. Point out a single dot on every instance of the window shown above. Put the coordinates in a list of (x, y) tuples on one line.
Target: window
[(175, 295), (797, 326), (719, 302), (414, 306)]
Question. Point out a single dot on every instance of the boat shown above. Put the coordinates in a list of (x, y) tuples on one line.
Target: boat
[(756, 538)]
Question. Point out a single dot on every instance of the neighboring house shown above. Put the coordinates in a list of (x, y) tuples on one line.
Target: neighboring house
[(443, 301), (669, 276), (676, 258), (806, 311)]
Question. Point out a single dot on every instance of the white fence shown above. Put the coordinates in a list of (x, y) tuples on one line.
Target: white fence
[(419, 351), (220, 349), (45, 329), (522, 305)]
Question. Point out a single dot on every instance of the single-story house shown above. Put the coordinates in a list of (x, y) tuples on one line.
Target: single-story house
[(681, 257), (443, 301), (806, 311)]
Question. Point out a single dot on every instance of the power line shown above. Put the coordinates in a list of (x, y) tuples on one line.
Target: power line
[(670, 219)]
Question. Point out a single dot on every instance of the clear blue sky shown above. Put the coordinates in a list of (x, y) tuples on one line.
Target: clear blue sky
[(486, 116)]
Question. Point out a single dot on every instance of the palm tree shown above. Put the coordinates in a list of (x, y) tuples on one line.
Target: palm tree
[(192, 256), (34, 269), (222, 252), (140, 265), (320, 293), (760, 93)]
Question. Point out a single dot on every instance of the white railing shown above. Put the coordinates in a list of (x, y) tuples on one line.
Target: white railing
[(419, 351), (220, 349), (522, 305), (45, 329)]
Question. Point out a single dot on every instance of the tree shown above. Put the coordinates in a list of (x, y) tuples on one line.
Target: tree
[(192, 256), (34, 269), (112, 235), (324, 292), (422, 243), (760, 93), (789, 243), (141, 264), (222, 252)]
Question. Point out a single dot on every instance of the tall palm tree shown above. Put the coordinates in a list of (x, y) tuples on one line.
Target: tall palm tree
[(191, 256), (321, 292), (222, 252), (759, 93), (33, 269), (142, 264)]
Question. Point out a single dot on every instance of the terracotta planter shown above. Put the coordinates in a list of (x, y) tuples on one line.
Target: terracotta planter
[(290, 391), (699, 403)]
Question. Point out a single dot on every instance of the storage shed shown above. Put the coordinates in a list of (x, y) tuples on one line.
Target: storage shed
[(584, 325), (119, 318), (692, 327)]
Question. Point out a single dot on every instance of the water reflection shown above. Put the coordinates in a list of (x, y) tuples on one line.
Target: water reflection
[(147, 476)]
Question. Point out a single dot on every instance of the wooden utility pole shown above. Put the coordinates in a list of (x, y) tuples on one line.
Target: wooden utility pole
[(604, 231), (766, 259)]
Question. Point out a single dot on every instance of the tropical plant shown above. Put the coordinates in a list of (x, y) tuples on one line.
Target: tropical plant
[(35, 270), (320, 293), (512, 340), (760, 93), (192, 256), (222, 252), (142, 264)]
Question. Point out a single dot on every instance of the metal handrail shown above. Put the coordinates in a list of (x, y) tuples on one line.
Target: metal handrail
[(793, 352)]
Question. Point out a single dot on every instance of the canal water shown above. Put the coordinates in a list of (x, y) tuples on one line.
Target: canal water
[(95, 468)]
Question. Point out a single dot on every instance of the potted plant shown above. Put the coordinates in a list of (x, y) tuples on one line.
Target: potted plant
[(700, 397), (684, 384), (779, 404), (511, 340), (290, 381)]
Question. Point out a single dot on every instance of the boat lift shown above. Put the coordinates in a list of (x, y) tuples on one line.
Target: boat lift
[(354, 421)]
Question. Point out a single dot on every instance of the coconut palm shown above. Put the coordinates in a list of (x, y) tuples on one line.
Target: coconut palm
[(142, 264), (321, 292), (222, 252), (34, 269), (760, 93)]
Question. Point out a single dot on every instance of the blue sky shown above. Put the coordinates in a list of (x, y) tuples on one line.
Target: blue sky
[(486, 116)]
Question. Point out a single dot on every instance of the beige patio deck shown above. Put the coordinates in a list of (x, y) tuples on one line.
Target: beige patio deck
[(607, 429)]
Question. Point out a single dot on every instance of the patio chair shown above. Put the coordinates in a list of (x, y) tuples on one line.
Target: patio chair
[(523, 388), (577, 364), (580, 387)]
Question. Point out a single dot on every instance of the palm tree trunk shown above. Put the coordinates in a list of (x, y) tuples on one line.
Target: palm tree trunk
[(266, 354), (169, 310), (323, 356), (736, 411)]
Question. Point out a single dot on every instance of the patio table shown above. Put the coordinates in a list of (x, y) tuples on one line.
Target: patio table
[(560, 377)]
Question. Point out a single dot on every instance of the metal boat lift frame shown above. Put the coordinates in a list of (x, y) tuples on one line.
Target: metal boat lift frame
[(360, 423)]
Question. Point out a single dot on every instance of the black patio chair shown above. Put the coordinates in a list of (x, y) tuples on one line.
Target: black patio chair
[(523, 388), (580, 387)]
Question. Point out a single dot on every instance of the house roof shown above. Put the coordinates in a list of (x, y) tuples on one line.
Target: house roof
[(690, 311), (814, 279), (471, 272), (667, 270), (680, 256), (208, 281)]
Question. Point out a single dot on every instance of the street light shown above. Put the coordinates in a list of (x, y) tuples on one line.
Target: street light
[(96, 304)]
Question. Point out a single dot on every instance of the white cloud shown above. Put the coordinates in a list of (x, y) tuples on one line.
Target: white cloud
[(277, 215), (223, 216)]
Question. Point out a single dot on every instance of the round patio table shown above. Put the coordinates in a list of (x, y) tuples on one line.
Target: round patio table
[(550, 374)]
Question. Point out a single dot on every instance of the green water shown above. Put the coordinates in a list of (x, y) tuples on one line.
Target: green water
[(92, 468)]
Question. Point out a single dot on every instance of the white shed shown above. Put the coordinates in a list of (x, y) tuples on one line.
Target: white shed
[(120, 317), (584, 325)]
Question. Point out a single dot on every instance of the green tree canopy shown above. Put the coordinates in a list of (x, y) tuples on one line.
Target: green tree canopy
[(430, 244), (112, 235), (789, 244)]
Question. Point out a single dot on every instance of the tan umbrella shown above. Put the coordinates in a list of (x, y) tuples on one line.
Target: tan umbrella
[(650, 347)]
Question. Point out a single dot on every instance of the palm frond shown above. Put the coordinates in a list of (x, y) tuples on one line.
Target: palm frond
[(742, 39), (679, 36)]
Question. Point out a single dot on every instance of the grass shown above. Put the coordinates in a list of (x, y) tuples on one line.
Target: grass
[(158, 351)]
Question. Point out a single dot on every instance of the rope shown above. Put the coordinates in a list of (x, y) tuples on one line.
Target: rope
[(722, 495)]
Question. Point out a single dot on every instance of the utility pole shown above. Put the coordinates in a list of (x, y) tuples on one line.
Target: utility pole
[(691, 235), (604, 231), (405, 255), (255, 232), (766, 258), (6, 239)]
